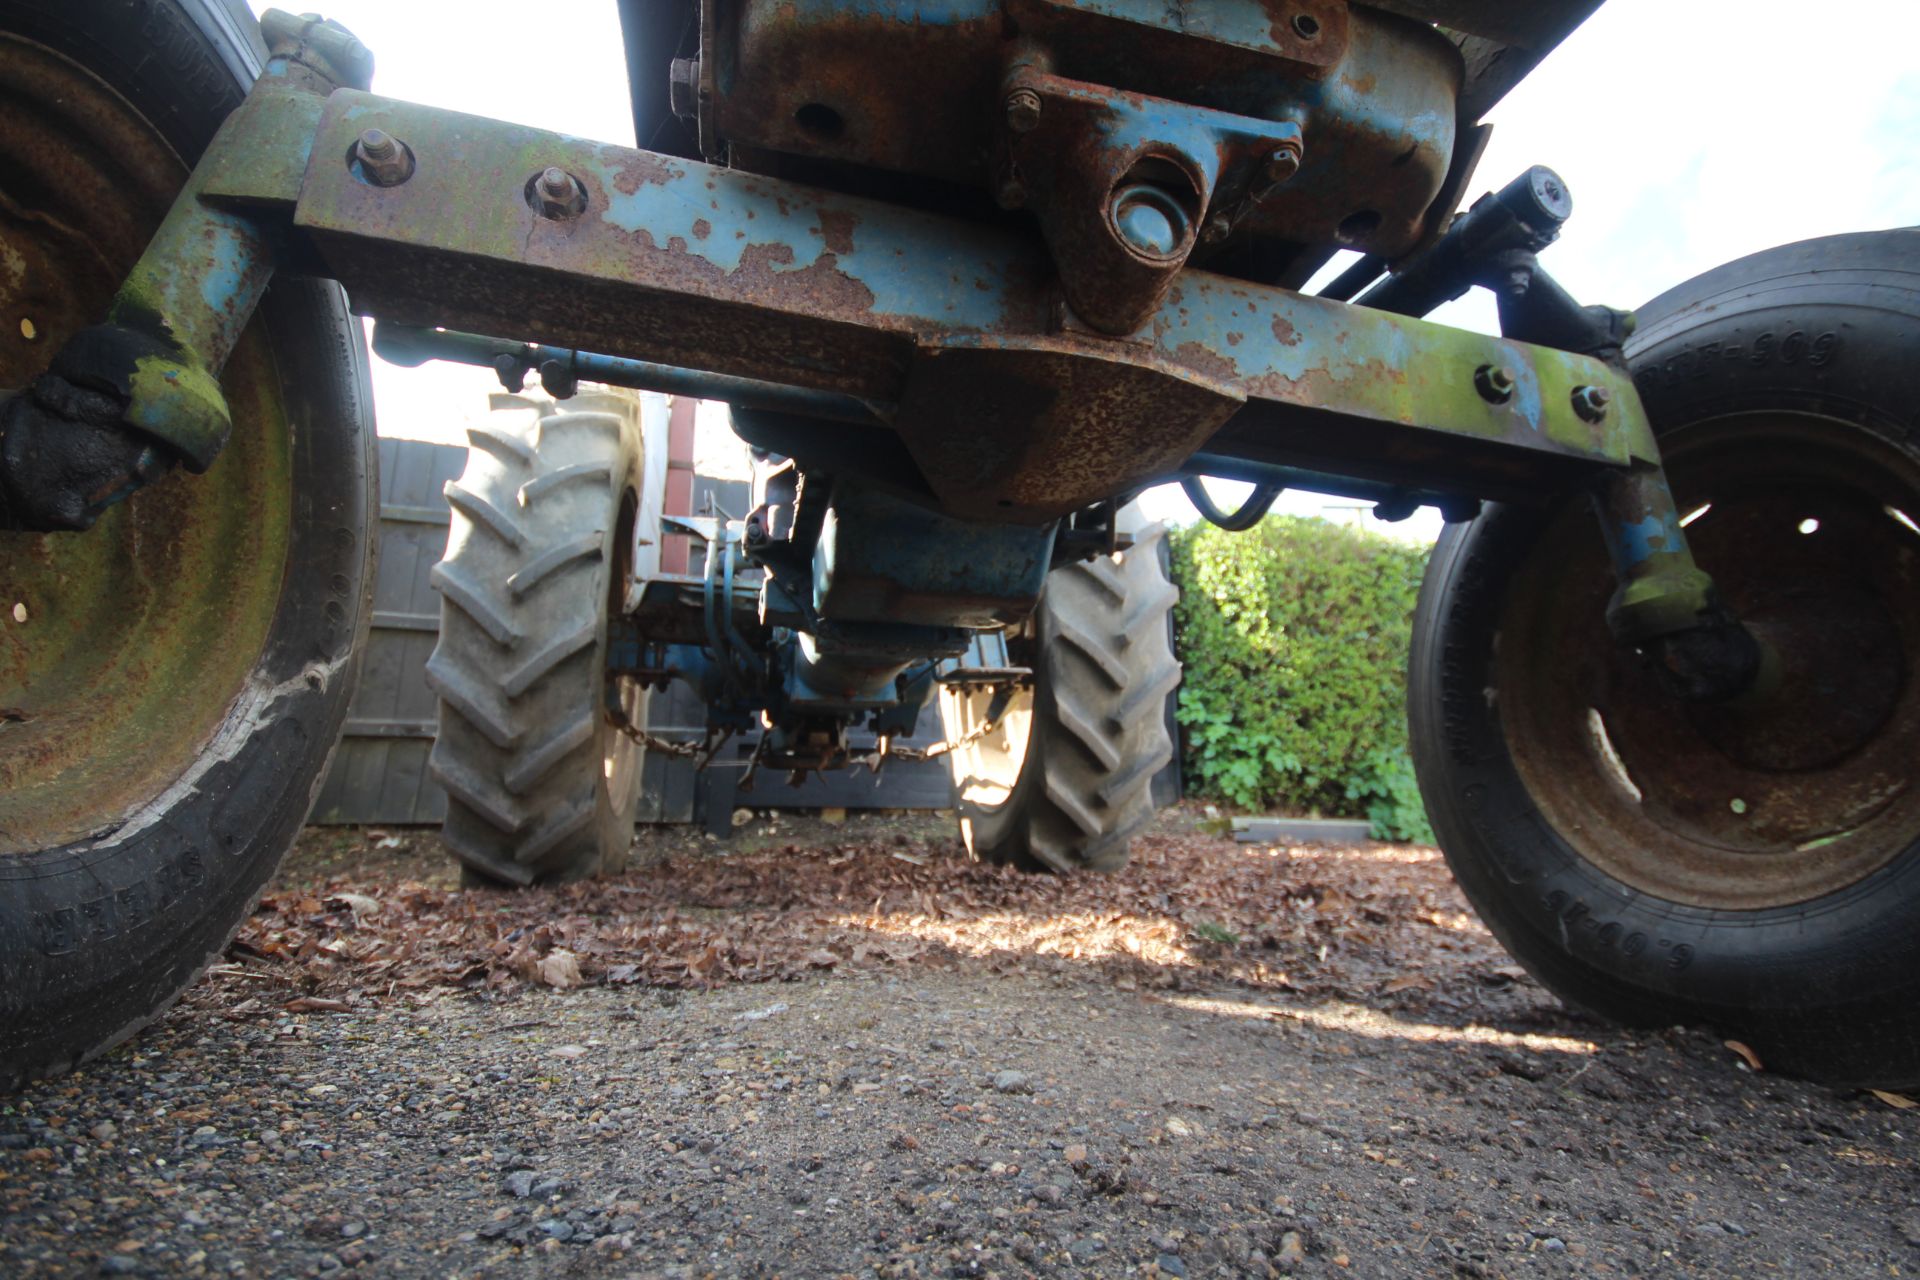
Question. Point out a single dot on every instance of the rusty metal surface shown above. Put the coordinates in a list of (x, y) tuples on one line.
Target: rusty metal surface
[(120, 649), (1494, 66), (688, 264), (1529, 24), (1802, 786), (1027, 429), (1084, 156), (850, 81)]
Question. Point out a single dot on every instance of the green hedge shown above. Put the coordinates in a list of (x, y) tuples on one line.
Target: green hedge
[(1295, 638)]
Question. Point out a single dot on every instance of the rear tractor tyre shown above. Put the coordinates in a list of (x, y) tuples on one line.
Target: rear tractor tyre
[(1064, 779), (173, 680), (541, 784), (1754, 865)]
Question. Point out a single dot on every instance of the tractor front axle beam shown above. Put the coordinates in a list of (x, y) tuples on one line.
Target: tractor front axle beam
[(950, 340)]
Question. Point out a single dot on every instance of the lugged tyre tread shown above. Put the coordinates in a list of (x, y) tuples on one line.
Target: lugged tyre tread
[(452, 584), (525, 773), (502, 444), (484, 514), (520, 738), (1106, 666), (544, 565)]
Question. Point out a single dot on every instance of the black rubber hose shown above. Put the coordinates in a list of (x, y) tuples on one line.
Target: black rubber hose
[(1247, 515)]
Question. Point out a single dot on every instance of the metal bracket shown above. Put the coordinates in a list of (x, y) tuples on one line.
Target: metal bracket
[(1014, 418)]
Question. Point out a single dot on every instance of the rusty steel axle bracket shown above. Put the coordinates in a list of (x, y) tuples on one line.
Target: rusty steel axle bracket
[(1013, 408)]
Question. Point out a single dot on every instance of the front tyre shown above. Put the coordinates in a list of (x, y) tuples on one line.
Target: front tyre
[(1753, 865), (173, 680)]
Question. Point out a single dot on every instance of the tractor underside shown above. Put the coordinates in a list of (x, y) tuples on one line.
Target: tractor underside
[(971, 274)]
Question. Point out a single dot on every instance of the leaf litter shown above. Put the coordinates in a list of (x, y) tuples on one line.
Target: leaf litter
[(1379, 923)]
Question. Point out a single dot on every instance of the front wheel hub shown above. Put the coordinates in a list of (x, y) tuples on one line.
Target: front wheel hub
[(1803, 785)]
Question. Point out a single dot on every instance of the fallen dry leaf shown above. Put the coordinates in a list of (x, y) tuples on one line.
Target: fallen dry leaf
[(358, 903), (1314, 922), (558, 968), (315, 1004), (1752, 1059), (1897, 1100)]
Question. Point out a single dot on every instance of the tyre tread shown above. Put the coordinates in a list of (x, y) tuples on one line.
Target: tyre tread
[(519, 745), (1099, 733)]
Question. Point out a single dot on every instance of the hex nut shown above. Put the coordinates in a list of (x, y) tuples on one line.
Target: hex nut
[(683, 88), (557, 194), (1494, 382), (1591, 402), (384, 160), (1283, 162), (1023, 110)]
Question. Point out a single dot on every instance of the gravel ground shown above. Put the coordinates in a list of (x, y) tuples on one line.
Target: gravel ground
[(953, 1072)]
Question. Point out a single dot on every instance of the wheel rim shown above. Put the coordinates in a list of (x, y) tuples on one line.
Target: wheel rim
[(120, 648), (621, 757), (1800, 789), (985, 769)]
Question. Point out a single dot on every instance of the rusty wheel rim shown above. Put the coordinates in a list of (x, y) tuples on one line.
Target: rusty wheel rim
[(986, 769), (621, 757), (1802, 788), (121, 648)]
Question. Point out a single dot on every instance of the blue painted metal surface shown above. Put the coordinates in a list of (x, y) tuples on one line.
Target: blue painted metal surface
[(880, 558), (1660, 591), (683, 263)]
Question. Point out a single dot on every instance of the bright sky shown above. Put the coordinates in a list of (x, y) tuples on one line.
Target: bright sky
[(1690, 132)]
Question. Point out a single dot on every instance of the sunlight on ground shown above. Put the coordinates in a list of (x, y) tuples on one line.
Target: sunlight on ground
[(1082, 936), (1405, 855), (1359, 1020)]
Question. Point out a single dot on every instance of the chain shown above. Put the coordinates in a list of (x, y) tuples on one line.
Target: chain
[(888, 750), (688, 750), (884, 749)]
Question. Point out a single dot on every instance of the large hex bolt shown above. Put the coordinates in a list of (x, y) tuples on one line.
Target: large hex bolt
[(557, 194), (1283, 162), (383, 159), (1023, 110), (1494, 382), (1591, 402), (683, 87)]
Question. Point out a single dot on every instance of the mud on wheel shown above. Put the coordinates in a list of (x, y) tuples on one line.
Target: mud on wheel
[(1064, 777), (172, 681), (1752, 865), (541, 783)]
